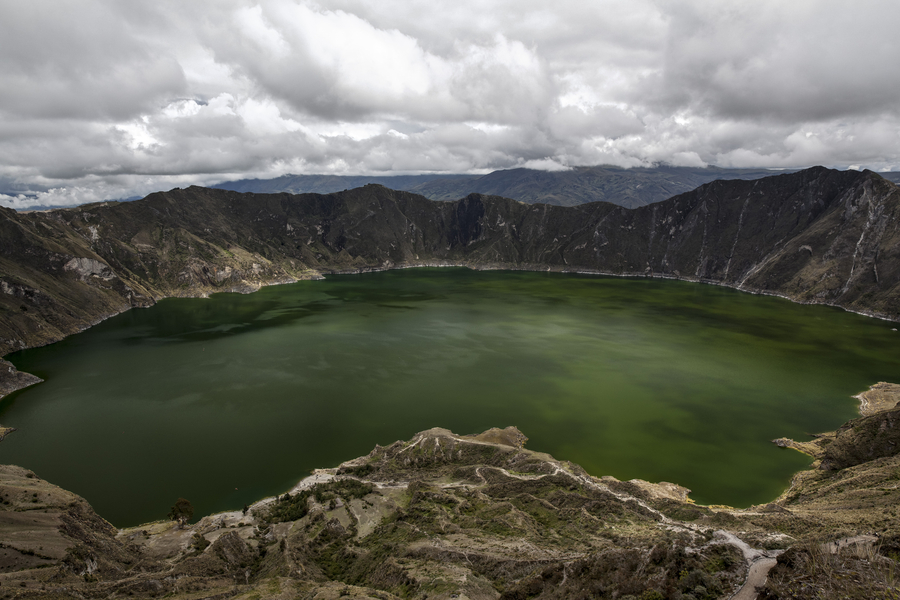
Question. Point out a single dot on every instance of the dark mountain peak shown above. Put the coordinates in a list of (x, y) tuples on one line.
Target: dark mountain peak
[(822, 180)]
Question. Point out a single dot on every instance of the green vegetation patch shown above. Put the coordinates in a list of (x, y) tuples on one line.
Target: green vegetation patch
[(291, 507)]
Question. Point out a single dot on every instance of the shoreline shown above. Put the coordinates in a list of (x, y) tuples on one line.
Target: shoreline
[(322, 475), (12, 380), (407, 506), (250, 287), (26, 380)]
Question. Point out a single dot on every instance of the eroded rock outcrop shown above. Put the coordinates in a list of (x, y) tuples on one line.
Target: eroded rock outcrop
[(445, 515)]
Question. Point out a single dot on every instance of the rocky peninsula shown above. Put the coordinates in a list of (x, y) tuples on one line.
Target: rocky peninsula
[(480, 517)]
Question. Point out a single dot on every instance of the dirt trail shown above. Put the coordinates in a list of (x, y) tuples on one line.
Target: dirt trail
[(759, 561), (756, 578)]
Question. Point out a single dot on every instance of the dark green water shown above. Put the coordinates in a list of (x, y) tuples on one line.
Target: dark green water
[(229, 399)]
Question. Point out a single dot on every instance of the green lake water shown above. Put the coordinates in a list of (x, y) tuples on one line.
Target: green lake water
[(229, 399)]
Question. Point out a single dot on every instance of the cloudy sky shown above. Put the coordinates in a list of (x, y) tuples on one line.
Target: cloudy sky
[(114, 98)]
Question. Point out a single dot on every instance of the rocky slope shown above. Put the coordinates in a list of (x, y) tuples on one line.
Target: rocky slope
[(439, 516), (478, 517), (818, 236)]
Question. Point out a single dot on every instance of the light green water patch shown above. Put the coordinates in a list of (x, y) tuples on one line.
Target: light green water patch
[(228, 399)]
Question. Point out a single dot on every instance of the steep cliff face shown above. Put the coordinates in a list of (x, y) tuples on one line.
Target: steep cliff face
[(815, 236)]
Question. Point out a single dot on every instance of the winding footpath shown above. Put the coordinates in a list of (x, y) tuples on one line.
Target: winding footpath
[(759, 562)]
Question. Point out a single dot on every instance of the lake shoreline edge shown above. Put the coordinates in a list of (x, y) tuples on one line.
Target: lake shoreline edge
[(12, 380), (373, 495)]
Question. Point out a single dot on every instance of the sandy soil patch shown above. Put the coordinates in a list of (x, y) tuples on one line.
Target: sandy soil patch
[(878, 398)]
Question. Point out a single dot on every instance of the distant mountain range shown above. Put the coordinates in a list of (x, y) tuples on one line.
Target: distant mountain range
[(626, 187), (891, 176)]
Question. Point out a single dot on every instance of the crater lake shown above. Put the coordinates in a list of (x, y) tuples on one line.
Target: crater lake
[(236, 397)]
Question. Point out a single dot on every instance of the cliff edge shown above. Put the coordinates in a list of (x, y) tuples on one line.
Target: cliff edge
[(450, 516)]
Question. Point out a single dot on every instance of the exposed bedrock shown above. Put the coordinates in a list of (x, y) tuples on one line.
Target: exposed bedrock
[(467, 516)]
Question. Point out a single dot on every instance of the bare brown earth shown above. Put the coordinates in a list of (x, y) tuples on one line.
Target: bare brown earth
[(878, 398)]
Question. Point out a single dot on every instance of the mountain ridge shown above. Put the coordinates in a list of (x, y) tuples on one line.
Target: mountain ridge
[(448, 516), (631, 187), (816, 236)]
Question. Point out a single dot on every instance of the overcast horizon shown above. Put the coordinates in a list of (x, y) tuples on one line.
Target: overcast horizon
[(104, 99)]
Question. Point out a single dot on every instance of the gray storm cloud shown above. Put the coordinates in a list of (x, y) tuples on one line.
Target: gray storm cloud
[(107, 99)]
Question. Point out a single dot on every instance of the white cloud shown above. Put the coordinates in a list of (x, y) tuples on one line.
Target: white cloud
[(100, 98), (139, 134), (544, 164), (255, 29), (263, 118)]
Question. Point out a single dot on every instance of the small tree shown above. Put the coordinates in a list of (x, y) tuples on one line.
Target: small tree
[(182, 512)]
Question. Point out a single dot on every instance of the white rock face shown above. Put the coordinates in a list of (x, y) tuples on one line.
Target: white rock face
[(89, 267), (223, 274)]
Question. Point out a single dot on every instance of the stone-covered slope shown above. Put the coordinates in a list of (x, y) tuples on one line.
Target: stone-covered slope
[(814, 236), (440, 516), (451, 516)]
